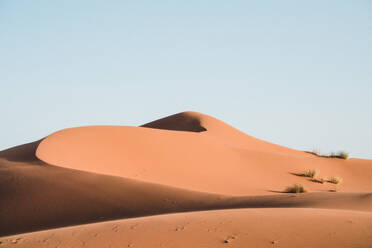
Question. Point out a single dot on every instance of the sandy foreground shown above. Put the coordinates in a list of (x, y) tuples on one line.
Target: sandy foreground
[(187, 180), (256, 227)]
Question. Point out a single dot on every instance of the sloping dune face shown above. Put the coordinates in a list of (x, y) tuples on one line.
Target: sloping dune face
[(194, 151), (22, 153)]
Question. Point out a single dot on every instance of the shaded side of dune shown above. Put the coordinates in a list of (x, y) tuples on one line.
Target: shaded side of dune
[(185, 121), (21, 153), (39, 196)]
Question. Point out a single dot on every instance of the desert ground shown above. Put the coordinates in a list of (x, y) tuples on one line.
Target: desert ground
[(187, 180)]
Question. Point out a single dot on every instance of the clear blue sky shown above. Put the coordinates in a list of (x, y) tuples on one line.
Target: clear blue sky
[(296, 73)]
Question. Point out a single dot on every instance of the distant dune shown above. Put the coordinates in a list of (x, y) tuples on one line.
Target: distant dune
[(182, 163)]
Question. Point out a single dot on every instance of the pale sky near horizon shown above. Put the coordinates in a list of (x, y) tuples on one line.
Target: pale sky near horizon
[(295, 73)]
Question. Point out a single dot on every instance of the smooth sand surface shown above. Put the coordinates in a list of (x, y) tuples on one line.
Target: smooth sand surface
[(225, 228), (181, 163)]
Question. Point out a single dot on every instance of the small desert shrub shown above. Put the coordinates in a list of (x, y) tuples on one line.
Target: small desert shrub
[(322, 180), (319, 180), (335, 180), (341, 154), (297, 188), (311, 173)]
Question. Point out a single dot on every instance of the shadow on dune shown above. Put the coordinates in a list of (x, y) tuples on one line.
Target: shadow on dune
[(22, 153), (276, 191), (185, 121), (298, 174)]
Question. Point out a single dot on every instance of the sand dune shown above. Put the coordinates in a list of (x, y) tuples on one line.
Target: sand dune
[(54, 197), (219, 160), (181, 163), (225, 228)]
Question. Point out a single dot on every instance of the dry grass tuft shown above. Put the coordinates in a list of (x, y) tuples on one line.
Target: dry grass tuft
[(340, 154), (296, 188), (335, 180), (311, 173), (319, 180), (322, 180)]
